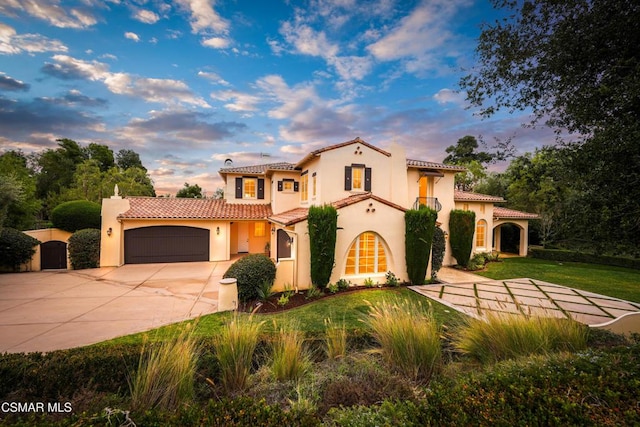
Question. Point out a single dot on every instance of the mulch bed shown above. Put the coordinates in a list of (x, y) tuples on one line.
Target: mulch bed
[(298, 300)]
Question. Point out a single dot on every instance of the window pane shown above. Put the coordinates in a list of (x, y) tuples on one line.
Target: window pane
[(480, 233), (351, 260), (250, 188), (356, 178), (287, 185), (259, 229), (382, 259)]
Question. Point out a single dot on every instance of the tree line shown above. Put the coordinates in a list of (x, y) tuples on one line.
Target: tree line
[(32, 185)]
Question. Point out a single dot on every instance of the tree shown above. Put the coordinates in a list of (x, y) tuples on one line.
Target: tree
[(574, 64), (322, 226), (16, 248), (126, 159), (20, 213), (10, 192), (190, 192), (101, 154), (419, 228), (465, 152), (462, 225)]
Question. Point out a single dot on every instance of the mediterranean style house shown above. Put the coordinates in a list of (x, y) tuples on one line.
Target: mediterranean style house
[(265, 209)]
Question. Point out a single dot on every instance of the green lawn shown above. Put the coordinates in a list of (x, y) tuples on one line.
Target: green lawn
[(349, 308), (617, 282)]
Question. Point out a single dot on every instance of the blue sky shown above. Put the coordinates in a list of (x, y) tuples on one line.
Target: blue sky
[(189, 83)]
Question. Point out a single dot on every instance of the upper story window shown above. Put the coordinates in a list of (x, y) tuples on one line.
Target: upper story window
[(288, 185), (357, 178), (304, 186), (481, 234), (249, 187)]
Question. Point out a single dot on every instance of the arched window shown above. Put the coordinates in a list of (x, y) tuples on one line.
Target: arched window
[(366, 255), (481, 234)]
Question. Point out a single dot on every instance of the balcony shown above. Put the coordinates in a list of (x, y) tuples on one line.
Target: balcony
[(430, 202)]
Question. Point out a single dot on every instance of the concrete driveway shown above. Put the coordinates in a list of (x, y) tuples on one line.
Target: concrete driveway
[(54, 310)]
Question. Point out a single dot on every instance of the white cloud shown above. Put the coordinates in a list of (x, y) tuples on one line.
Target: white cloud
[(165, 91), (308, 41), (203, 16), (12, 43), (213, 77), (241, 101), (419, 36), (146, 16), (448, 96), (216, 42), (132, 36), (51, 12)]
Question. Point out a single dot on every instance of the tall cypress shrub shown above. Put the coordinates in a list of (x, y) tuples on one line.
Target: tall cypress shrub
[(419, 228), (462, 225), (438, 248), (323, 226)]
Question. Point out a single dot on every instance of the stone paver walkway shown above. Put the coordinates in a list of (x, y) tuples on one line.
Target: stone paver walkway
[(475, 295)]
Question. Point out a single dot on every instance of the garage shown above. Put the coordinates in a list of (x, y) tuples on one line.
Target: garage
[(165, 244)]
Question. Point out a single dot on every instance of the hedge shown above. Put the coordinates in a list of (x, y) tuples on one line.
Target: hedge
[(76, 215), (84, 249), (323, 226), (576, 256), (16, 248), (462, 226), (419, 228)]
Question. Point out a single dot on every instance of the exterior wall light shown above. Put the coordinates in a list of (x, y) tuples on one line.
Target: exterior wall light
[(109, 231), (218, 231)]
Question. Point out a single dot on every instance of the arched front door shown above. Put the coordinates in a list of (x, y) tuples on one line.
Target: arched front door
[(53, 255), (284, 245)]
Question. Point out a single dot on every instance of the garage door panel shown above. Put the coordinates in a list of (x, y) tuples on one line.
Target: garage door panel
[(166, 244)]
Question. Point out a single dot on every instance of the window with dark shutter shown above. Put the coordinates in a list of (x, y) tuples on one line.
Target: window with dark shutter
[(347, 178), (260, 188), (296, 186), (238, 188), (367, 179)]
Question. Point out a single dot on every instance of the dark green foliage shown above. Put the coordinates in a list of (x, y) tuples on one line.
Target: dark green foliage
[(16, 248), (462, 225), (84, 248), (323, 226), (419, 229), (437, 251), (252, 272), (76, 215), (190, 192), (589, 258)]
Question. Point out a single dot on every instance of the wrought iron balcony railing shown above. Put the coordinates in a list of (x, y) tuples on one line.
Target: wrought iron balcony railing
[(431, 202)]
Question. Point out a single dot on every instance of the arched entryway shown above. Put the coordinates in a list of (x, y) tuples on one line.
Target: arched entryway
[(53, 255), (510, 237)]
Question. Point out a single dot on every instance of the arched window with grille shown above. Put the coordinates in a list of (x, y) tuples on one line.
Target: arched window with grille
[(367, 255), (481, 234)]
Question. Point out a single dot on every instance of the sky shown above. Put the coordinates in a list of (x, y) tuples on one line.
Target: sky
[(190, 83)]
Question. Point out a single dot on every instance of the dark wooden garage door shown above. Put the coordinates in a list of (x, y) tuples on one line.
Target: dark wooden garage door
[(165, 244)]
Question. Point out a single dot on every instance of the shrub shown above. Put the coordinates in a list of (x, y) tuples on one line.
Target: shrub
[(265, 291), (437, 251), (84, 248), (504, 336), (323, 226), (461, 228), (577, 256), (252, 272), (409, 338), (391, 279), (234, 347), (419, 226), (166, 373), (343, 284), (289, 360), (16, 248), (76, 215)]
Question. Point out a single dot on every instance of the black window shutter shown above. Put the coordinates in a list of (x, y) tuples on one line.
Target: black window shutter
[(238, 188), (347, 178), (296, 186), (279, 185), (367, 179), (260, 188)]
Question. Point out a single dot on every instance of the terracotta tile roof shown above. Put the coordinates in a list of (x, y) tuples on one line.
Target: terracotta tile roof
[(296, 215), (174, 208), (464, 196), (433, 165), (357, 140), (504, 213), (259, 169)]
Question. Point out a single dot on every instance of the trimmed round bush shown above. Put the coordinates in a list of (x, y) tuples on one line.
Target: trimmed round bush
[(16, 248), (84, 248), (76, 215), (251, 271)]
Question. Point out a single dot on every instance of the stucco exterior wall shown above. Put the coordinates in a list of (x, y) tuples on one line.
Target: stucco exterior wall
[(230, 190), (282, 201), (112, 246), (487, 215)]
